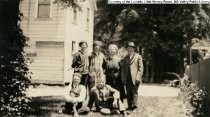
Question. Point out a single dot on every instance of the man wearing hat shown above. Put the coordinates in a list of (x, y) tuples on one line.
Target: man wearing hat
[(131, 75)]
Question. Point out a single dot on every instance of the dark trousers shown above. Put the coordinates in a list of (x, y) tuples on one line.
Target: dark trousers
[(132, 93), (86, 81), (116, 83), (69, 106), (99, 104)]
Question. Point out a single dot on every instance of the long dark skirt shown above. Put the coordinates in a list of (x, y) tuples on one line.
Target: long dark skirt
[(116, 83)]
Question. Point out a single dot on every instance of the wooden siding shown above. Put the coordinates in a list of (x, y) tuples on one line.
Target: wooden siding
[(77, 32), (58, 28), (47, 65), (39, 29)]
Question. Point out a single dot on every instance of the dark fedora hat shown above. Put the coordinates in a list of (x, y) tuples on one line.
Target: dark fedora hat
[(130, 44)]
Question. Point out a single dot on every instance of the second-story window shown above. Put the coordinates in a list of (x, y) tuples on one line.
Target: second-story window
[(75, 16), (73, 47), (88, 19), (43, 9)]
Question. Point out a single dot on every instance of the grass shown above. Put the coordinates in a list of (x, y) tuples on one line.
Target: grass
[(48, 106)]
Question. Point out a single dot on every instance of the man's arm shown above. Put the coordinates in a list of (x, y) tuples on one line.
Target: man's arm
[(140, 69), (115, 92), (75, 61)]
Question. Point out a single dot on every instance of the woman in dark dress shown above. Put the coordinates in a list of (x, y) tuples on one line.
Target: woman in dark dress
[(112, 70)]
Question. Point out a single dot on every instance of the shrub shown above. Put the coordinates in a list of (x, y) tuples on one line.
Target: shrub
[(13, 69), (170, 76), (194, 98), (175, 83)]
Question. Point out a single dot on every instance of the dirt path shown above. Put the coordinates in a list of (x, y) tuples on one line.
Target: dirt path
[(157, 90), (154, 101), (144, 90)]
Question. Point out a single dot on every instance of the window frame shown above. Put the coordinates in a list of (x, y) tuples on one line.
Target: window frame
[(73, 47), (75, 16), (37, 8), (88, 19)]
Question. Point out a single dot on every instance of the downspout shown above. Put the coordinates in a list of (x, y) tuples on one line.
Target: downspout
[(29, 7)]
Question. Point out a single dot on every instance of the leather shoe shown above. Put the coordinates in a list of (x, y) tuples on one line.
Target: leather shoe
[(129, 108), (134, 108), (84, 110)]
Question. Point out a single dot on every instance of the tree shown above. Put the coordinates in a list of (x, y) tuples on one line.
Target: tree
[(70, 3), (13, 69), (164, 31)]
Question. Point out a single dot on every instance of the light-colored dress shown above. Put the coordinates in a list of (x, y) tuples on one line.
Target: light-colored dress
[(96, 66)]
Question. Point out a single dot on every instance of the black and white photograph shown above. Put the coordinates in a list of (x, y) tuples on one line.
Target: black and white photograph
[(105, 58)]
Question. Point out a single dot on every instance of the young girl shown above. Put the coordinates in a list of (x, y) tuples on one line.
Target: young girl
[(75, 95)]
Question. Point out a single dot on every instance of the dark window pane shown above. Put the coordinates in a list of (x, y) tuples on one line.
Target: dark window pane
[(75, 16), (87, 26), (44, 11), (88, 12)]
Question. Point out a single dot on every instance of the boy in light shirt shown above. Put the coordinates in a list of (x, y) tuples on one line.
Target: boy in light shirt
[(106, 98)]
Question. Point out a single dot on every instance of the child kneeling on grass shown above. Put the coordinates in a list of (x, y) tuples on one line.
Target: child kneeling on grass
[(75, 95), (106, 98)]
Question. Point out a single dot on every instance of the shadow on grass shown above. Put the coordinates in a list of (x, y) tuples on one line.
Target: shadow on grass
[(48, 106), (45, 105)]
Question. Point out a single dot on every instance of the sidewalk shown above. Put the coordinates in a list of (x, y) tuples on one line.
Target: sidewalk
[(144, 90), (156, 90)]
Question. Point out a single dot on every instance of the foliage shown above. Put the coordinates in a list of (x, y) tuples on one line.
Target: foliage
[(174, 79), (194, 98), (171, 76), (69, 3), (13, 69), (164, 31)]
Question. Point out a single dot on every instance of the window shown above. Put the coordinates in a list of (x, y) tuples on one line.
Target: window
[(75, 16), (73, 46), (43, 9), (88, 20)]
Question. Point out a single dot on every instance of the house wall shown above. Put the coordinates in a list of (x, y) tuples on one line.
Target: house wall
[(61, 30), (77, 31), (46, 44), (40, 29)]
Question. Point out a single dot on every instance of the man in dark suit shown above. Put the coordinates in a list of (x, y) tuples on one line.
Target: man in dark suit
[(131, 75)]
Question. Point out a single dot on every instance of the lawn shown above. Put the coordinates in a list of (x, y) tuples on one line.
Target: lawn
[(149, 106)]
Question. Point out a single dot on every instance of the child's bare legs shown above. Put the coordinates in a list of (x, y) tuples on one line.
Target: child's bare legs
[(75, 110)]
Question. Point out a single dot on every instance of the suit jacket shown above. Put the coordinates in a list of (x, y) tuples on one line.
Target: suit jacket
[(132, 66), (106, 93)]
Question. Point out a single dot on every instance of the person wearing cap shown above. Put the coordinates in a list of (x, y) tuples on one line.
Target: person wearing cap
[(106, 98), (131, 75), (112, 70), (75, 95), (97, 60)]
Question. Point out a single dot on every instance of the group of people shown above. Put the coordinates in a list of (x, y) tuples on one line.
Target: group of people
[(104, 80)]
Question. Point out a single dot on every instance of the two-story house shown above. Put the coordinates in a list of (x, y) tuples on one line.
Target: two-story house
[(54, 33)]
